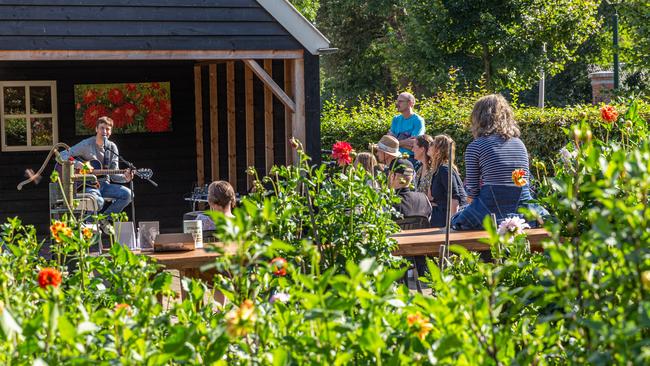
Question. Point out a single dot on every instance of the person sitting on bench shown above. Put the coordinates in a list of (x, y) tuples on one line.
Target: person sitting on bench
[(490, 161), (439, 156), (221, 197), (412, 203)]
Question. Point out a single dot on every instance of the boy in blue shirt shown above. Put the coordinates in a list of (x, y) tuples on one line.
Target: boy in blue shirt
[(407, 125)]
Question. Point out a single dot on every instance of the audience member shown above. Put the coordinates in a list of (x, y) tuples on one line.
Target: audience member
[(412, 203), (438, 154), (407, 125), (367, 161), (221, 197), (387, 150), (490, 161), (424, 173)]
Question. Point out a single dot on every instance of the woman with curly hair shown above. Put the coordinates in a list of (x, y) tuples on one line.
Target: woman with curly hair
[(492, 161)]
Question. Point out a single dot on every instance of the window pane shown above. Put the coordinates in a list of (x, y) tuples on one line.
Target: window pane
[(14, 99), (40, 99), (41, 131), (16, 131)]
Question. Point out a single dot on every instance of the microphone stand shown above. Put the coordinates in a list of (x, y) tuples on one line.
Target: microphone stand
[(132, 167)]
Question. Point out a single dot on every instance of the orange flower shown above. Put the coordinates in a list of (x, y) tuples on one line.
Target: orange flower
[(49, 277), (240, 321), (279, 266), (419, 324), (87, 233), (519, 177), (608, 113), (60, 228)]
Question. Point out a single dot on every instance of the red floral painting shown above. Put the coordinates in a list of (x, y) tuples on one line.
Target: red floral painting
[(134, 107)]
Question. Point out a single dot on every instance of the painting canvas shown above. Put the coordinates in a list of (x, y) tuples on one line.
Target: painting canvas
[(134, 107)]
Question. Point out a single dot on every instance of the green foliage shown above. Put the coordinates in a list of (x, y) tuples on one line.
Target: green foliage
[(542, 130), (584, 300), (308, 8)]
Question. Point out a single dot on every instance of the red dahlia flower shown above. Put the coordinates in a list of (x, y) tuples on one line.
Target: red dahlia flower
[(341, 152), (119, 117), (608, 113), (156, 122), (90, 96), (116, 96), (49, 277), (92, 113), (279, 266)]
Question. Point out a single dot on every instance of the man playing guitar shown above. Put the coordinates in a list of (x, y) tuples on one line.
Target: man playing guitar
[(97, 148)]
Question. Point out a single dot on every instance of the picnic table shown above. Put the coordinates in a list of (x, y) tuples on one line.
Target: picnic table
[(409, 243)]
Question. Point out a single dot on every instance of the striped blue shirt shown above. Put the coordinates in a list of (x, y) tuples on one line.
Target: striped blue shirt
[(491, 160)]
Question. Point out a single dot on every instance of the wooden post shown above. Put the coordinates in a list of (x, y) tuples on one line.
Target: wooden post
[(232, 151), (298, 127), (288, 114), (250, 123), (268, 120), (214, 123), (198, 117)]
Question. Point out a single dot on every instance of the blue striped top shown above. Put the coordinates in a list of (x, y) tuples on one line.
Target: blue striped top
[(491, 160)]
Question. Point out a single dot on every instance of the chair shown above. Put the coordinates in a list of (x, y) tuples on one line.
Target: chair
[(418, 262), (82, 203)]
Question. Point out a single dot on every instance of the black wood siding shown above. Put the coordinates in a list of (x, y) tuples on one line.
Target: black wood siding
[(140, 25), (172, 155)]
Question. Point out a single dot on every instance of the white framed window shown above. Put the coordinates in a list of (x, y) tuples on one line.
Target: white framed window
[(28, 115)]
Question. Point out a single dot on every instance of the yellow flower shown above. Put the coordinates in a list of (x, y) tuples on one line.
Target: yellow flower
[(419, 324), (86, 168), (239, 322), (645, 279)]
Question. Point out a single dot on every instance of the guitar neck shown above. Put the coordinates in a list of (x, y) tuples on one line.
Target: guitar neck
[(108, 171)]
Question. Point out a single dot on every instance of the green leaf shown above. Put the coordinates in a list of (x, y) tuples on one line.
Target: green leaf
[(66, 329)]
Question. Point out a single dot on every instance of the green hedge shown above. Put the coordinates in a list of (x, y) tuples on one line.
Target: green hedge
[(541, 129)]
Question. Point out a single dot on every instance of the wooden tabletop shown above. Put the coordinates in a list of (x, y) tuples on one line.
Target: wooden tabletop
[(410, 243), (189, 259), (428, 241)]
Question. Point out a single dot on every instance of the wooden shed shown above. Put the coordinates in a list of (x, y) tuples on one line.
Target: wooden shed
[(242, 76)]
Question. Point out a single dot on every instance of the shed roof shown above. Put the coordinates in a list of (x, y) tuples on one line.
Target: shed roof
[(155, 25)]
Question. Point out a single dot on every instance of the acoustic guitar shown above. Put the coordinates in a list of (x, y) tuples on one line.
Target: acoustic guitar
[(98, 169)]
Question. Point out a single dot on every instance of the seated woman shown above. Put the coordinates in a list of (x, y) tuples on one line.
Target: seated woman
[(438, 155), (424, 173), (490, 161), (221, 197), (367, 161)]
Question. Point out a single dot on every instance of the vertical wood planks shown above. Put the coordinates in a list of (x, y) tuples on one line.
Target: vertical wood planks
[(288, 115), (268, 119), (298, 127), (232, 151), (250, 123), (214, 123), (198, 116)]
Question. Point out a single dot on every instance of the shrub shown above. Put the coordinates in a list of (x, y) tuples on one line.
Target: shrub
[(542, 130)]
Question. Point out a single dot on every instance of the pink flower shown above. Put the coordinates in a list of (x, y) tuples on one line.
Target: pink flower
[(512, 225), (279, 296)]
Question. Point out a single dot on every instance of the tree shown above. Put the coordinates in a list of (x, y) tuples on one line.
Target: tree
[(308, 8), (499, 41)]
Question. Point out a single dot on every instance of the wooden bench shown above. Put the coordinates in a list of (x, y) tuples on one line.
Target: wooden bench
[(428, 241)]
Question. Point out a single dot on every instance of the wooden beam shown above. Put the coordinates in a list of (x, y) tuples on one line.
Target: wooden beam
[(298, 127), (199, 55), (250, 123), (214, 124), (265, 76), (230, 102), (288, 114), (198, 117), (268, 119)]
